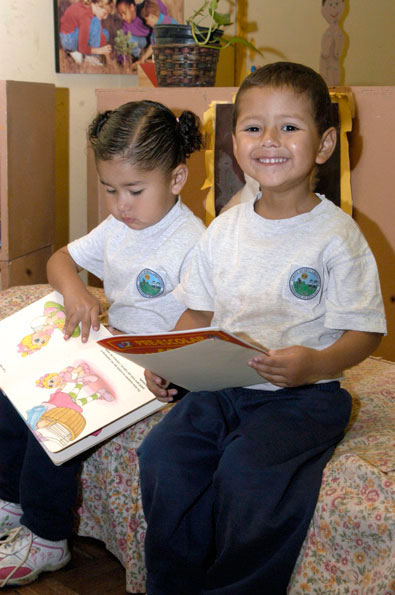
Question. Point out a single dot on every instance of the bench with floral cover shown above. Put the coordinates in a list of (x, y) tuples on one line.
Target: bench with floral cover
[(349, 548)]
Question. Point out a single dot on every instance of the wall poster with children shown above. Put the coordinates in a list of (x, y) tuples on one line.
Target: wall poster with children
[(108, 36)]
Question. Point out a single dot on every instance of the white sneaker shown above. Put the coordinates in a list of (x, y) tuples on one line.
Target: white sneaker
[(10, 515), (94, 60), (23, 556), (77, 57)]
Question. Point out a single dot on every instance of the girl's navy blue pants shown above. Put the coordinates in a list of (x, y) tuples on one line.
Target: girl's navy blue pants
[(47, 493), (230, 480)]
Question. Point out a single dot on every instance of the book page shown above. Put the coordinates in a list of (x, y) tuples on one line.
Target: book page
[(64, 390)]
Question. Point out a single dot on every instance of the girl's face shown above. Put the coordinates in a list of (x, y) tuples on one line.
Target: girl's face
[(127, 12), (137, 197), (276, 140)]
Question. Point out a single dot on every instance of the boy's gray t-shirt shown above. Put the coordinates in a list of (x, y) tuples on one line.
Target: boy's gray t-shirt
[(140, 268), (297, 281)]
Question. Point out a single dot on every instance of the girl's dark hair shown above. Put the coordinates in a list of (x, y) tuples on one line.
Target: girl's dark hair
[(298, 77), (146, 134)]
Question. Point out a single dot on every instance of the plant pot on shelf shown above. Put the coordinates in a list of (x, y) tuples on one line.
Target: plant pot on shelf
[(180, 61)]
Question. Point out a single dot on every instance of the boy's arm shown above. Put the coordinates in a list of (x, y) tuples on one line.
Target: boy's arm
[(80, 304), (297, 365), (188, 320)]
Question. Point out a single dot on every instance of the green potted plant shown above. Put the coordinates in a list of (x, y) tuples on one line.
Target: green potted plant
[(187, 55)]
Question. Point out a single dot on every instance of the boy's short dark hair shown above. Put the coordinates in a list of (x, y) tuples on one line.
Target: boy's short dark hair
[(298, 77)]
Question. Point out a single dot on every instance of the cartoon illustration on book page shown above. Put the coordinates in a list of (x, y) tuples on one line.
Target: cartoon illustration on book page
[(61, 419), (53, 318)]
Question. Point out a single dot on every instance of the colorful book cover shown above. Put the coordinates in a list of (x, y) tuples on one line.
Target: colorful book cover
[(200, 359)]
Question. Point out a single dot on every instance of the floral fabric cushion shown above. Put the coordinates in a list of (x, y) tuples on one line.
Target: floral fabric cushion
[(349, 548)]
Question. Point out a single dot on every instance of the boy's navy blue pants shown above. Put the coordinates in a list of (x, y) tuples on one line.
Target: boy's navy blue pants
[(230, 480), (47, 493)]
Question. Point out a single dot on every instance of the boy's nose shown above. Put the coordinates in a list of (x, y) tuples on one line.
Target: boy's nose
[(269, 137)]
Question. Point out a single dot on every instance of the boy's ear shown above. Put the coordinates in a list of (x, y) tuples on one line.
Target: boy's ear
[(327, 145), (234, 144), (179, 177)]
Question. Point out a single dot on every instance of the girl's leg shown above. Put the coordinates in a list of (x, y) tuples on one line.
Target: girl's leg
[(47, 493), (13, 438)]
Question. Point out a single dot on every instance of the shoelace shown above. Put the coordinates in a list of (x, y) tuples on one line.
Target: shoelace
[(9, 542)]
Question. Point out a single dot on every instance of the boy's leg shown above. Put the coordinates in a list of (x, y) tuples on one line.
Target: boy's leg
[(262, 495), (267, 484), (177, 461)]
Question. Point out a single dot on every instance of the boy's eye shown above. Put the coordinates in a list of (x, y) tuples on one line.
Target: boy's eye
[(289, 127), (252, 129)]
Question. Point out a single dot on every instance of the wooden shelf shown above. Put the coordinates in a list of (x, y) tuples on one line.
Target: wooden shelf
[(27, 180)]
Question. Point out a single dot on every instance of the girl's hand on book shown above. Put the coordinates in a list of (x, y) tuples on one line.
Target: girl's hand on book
[(159, 387), (83, 308)]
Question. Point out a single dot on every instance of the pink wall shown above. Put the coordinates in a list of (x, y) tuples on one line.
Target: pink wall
[(372, 152)]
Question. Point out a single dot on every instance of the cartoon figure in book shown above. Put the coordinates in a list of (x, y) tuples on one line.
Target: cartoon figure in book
[(43, 327), (60, 419), (58, 426)]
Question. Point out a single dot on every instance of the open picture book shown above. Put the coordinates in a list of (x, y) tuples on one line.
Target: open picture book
[(200, 359), (72, 395)]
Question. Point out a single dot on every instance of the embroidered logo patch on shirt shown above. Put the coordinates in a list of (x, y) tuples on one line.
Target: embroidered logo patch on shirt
[(150, 284), (305, 283)]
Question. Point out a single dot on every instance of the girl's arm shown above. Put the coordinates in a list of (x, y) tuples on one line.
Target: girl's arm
[(297, 365), (188, 320), (80, 304)]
